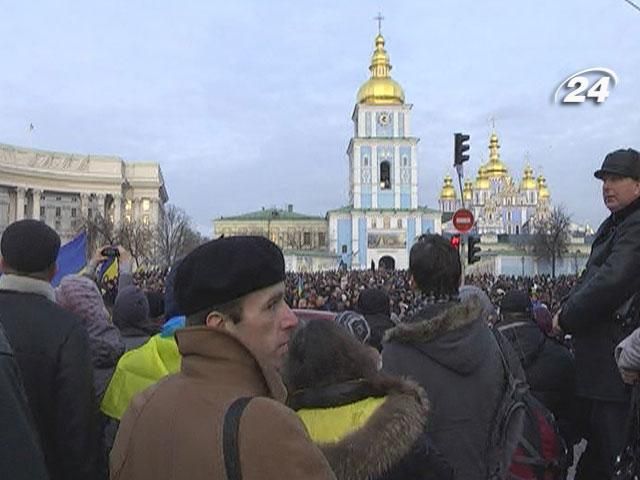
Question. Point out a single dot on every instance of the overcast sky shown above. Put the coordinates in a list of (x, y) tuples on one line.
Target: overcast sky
[(248, 103)]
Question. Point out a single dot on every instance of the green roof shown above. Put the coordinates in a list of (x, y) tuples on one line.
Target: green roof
[(273, 214)]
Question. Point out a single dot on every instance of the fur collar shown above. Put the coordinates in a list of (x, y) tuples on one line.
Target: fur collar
[(19, 283), (428, 324), (396, 426)]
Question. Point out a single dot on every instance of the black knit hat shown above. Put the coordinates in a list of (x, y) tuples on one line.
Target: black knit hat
[(516, 301), (374, 300), (29, 246), (226, 269)]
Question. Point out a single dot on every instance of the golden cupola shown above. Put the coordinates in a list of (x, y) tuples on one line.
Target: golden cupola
[(543, 190), (494, 167), (448, 191), (380, 89), (482, 180), (528, 180), (467, 190)]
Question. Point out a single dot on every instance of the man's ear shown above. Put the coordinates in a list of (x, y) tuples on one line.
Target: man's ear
[(218, 320)]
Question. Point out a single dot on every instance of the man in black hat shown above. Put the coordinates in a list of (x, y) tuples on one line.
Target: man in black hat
[(238, 327), (589, 314), (52, 350)]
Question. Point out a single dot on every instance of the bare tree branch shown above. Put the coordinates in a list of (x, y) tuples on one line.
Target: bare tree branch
[(551, 238)]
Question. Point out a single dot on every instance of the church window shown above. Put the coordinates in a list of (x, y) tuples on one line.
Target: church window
[(58, 212), (365, 161), (385, 176), (405, 161), (73, 212), (387, 223), (42, 211), (306, 239), (399, 223), (517, 229), (374, 224), (321, 239), (509, 216), (344, 249)]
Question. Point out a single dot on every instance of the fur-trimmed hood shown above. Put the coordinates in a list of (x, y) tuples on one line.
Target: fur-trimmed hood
[(452, 334), (387, 437)]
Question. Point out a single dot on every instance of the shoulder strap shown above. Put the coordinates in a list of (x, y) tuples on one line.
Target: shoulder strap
[(230, 431)]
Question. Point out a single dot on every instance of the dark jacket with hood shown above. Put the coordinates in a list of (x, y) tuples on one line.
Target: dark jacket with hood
[(611, 277), (450, 351), (548, 366), (391, 442)]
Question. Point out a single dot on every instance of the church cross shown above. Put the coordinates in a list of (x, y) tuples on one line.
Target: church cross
[(379, 18)]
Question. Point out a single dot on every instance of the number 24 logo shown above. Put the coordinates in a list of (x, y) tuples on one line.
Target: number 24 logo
[(578, 83)]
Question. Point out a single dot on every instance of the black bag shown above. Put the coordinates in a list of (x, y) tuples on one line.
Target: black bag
[(230, 430), (627, 466), (542, 452), (508, 420)]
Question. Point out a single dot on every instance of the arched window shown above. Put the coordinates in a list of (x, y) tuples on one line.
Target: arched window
[(385, 176)]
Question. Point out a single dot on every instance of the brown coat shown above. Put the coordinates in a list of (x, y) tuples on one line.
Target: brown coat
[(173, 430)]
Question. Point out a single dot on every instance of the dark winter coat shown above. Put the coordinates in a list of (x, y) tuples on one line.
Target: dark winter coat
[(451, 352), (548, 366), (20, 454), (610, 278), (390, 444), (52, 351)]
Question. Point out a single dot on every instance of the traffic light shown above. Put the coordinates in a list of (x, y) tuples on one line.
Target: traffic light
[(460, 147), (455, 241), (473, 249)]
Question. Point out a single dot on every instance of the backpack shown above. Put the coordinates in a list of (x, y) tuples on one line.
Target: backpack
[(541, 453), (508, 419)]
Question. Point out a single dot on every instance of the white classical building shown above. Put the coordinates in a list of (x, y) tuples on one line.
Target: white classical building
[(383, 217), (63, 189)]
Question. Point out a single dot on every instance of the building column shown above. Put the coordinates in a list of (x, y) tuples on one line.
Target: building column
[(20, 203), (35, 204), (136, 209), (101, 205), (84, 205), (117, 208)]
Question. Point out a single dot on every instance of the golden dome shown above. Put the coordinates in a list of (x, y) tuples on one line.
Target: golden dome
[(448, 191), (482, 180), (528, 180), (467, 191), (380, 89), (543, 190), (495, 168)]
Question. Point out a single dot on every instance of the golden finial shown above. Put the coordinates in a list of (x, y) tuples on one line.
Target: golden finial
[(380, 89)]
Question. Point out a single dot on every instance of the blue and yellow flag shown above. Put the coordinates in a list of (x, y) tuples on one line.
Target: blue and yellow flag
[(72, 257)]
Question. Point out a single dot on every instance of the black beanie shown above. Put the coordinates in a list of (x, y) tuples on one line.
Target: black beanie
[(29, 246), (226, 269)]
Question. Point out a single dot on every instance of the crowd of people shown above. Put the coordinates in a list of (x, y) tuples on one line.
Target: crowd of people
[(217, 369)]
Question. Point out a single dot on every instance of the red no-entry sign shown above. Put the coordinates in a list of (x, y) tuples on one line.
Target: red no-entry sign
[(463, 220)]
